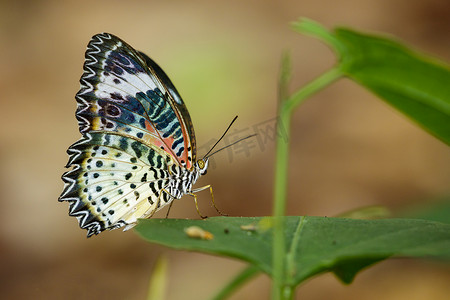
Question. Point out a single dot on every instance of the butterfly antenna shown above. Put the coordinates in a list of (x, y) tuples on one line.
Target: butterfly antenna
[(229, 126), (252, 135)]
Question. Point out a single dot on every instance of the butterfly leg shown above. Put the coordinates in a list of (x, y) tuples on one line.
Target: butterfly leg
[(196, 205), (168, 210), (212, 197)]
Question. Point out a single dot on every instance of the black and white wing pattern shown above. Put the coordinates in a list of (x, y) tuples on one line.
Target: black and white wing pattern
[(137, 152)]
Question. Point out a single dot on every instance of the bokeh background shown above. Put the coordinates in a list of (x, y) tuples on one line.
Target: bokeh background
[(348, 148)]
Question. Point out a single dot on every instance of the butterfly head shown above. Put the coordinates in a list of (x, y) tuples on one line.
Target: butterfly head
[(202, 165)]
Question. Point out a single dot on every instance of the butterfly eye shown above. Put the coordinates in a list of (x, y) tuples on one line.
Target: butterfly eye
[(201, 164)]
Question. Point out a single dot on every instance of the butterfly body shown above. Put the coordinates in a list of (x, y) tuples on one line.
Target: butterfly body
[(137, 152)]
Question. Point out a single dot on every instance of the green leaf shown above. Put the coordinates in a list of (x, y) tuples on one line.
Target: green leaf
[(416, 85), (346, 270), (315, 244), (229, 239)]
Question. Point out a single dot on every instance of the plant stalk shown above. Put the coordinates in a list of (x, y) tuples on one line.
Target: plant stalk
[(280, 289)]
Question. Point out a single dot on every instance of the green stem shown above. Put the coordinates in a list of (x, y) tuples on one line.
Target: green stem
[(312, 87), (158, 279), (247, 274), (280, 290)]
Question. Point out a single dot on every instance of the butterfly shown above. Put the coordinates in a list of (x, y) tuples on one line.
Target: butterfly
[(138, 149)]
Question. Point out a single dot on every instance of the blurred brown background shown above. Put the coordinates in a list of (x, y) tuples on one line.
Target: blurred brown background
[(349, 149)]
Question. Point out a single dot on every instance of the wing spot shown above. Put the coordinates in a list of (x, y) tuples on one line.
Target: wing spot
[(136, 146), (159, 162), (160, 184), (118, 70), (180, 151), (152, 187), (166, 197), (115, 95), (144, 178), (113, 111), (142, 122), (123, 144)]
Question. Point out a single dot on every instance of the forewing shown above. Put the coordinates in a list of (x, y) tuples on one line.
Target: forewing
[(122, 91), (178, 106)]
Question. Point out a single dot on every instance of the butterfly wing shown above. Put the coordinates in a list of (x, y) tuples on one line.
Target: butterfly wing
[(180, 109), (135, 127), (127, 92), (115, 181)]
